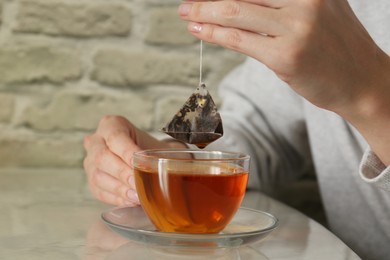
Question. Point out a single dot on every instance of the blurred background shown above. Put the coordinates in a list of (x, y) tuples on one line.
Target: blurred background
[(66, 63)]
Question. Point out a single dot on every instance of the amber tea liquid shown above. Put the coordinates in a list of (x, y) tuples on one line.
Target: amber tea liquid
[(200, 199)]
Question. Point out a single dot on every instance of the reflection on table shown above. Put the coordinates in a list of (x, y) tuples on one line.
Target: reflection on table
[(49, 214)]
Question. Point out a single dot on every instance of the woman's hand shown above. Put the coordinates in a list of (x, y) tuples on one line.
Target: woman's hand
[(108, 163), (318, 47)]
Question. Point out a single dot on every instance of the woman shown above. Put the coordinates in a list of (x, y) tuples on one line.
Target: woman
[(316, 90)]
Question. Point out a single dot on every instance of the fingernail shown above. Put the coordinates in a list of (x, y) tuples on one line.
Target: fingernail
[(184, 9), (133, 196), (132, 181), (195, 27)]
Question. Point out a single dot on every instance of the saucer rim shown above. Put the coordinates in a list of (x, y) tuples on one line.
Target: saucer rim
[(195, 236)]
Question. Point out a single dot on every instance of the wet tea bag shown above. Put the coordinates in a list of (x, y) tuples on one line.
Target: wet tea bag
[(198, 121)]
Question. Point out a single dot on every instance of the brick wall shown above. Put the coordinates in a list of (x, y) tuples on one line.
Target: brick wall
[(66, 63)]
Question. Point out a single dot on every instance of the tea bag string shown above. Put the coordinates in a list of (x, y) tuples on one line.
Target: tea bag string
[(200, 62)]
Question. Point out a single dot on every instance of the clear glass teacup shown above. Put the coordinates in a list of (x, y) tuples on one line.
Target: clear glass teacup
[(190, 191)]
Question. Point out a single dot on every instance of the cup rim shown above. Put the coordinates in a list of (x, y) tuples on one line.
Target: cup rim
[(234, 155)]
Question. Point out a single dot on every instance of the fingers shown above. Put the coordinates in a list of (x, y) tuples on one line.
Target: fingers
[(102, 158), (108, 162), (245, 42), (107, 188), (238, 25), (116, 132), (110, 190), (241, 15), (112, 199)]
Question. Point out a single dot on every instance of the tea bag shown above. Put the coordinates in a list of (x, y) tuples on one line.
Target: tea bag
[(198, 121)]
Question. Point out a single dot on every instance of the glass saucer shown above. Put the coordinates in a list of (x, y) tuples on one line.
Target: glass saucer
[(247, 226)]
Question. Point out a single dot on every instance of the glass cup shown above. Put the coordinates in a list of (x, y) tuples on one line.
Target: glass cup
[(190, 191)]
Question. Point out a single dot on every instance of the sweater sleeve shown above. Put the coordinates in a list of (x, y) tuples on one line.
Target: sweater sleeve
[(373, 171)]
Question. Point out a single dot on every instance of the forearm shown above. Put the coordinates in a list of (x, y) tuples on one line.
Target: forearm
[(369, 112)]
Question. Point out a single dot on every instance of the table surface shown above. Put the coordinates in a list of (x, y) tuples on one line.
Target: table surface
[(50, 214)]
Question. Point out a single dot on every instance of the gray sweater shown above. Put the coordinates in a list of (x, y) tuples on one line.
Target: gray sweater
[(285, 135)]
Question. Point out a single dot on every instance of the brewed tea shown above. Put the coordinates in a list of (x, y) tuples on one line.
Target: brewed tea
[(191, 199)]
